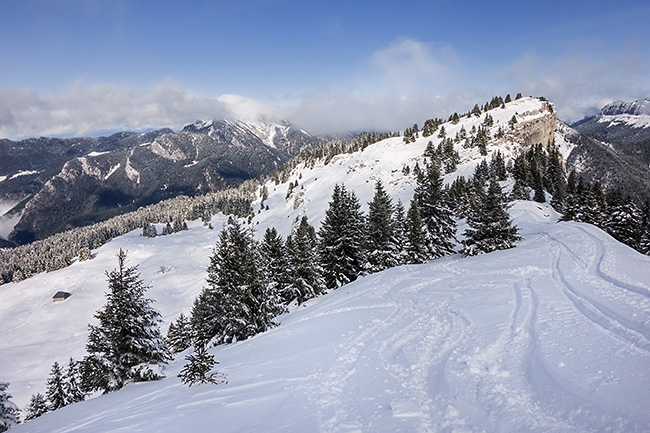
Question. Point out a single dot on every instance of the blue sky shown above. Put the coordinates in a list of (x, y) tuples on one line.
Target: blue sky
[(72, 67)]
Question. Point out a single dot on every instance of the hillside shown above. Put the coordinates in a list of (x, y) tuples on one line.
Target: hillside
[(553, 335)]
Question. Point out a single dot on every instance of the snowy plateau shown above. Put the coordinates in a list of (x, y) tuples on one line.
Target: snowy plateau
[(551, 336)]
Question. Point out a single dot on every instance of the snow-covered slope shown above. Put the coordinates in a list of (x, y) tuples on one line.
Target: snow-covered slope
[(553, 335)]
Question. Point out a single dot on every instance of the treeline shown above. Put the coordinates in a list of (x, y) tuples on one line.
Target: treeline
[(57, 251)]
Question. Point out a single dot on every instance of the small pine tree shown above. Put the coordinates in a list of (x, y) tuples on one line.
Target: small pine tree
[(85, 254), (179, 334), (127, 344), (198, 368), (56, 395), (8, 410), (37, 407)]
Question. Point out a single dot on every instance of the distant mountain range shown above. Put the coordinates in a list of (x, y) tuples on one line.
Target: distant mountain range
[(614, 147), (64, 183), (53, 184)]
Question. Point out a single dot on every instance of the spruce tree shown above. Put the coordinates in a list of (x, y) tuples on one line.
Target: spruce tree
[(275, 262), (490, 227), (71, 383), (198, 368), (381, 247), (416, 235), (341, 239), (56, 395), (8, 410), (37, 407), (624, 219), (304, 270), (435, 211), (127, 344), (179, 334), (399, 233), (236, 283)]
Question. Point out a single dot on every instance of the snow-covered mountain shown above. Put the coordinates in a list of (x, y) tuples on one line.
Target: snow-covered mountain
[(553, 335), (613, 147), (104, 177)]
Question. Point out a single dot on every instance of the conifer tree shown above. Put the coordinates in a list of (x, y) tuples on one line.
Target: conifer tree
[(37, 407), (341, 239), (624, 219), (198, 368), (304, 269), (275, 262), (399, 232), (435, 211), (237, 288), (127, 344), (416, 235), (8, 410), (381, 247), (71, 383), (56, 395), (179, 334), (490, 227)]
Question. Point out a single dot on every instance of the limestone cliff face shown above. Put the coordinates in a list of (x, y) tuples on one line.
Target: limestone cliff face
[(535, 126)]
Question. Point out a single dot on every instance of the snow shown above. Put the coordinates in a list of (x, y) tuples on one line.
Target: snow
[(24, 173), (551, 336), (2, 178), (635, 121), (97, 153)]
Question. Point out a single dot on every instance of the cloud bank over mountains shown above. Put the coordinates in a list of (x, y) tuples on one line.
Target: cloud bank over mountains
[(404, 82)]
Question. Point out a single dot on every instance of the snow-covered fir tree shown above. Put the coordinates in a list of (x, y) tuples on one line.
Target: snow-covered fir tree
[(198, 368), (8, 410), (400, 232), (56, 395), (275, 262), (381, 247), (236, 281), (416, 250), (127, 344), (435, 211), (341, 239), (624, 219), (37, 406), (72, 383), (179, 334), (490, 227), (304, 271)]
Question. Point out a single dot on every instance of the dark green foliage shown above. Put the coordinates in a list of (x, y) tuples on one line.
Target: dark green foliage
[(37, 407), (508, 98), (275, 263), (149, 231), (8, 410), (435, 211), (179, 334), (341, 239), (416, 236), (239, 303), (624, 219), (304, 272), (56, 395), (72, 383), (490, 227), (127, 345), (381, 246), (198, 368)]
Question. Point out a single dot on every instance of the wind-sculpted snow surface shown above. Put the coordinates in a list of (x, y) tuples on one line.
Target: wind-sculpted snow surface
[(551, 336)]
